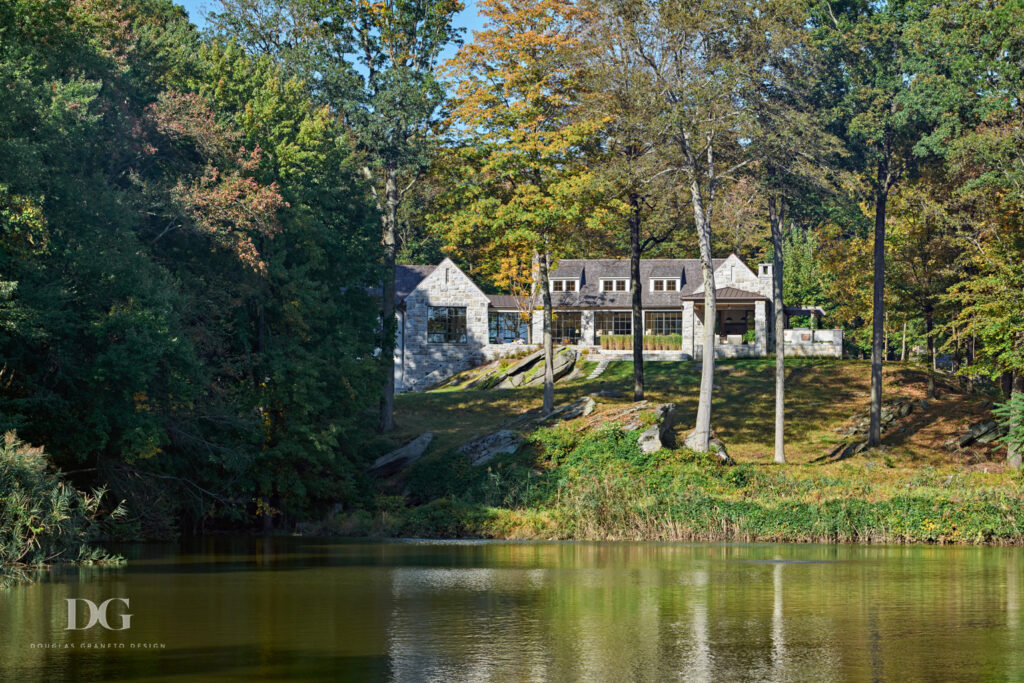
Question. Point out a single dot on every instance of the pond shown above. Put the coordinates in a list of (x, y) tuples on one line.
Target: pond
[(297, 608)]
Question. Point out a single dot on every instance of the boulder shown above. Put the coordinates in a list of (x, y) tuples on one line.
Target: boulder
[(582, 407), (993, 434), (719, 450), (400, 458), (604, 393), (650, 440), (562, 365), (659, 435), (484, 449)]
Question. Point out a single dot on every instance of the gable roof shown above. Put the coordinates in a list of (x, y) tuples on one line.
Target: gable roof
[(407, 277), (592, 271)]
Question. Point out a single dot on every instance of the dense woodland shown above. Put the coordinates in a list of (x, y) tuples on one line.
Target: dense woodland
[(199, 228)]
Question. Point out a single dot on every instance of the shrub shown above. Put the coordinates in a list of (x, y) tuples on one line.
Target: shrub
[(42, 518)]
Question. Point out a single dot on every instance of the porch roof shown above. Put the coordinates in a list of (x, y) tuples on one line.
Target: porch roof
[(727, 294)]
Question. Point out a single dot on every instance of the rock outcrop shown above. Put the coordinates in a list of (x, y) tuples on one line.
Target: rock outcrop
[(982, 432), (484, 449), (400, 458), (521, 375), (659, 435)]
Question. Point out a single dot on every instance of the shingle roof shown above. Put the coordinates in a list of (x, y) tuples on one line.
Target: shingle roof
[(407, 277), (591, 296), (504, 301), (725, 293)]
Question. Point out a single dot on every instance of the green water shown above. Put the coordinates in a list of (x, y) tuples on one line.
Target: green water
[(277, 609)]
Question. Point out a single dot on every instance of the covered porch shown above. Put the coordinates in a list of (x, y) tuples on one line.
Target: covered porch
[(741, 324)]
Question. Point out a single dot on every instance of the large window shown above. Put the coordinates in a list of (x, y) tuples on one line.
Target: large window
[(664, 322), (607, 322), (565, 327), (446, 325), (507, 327)]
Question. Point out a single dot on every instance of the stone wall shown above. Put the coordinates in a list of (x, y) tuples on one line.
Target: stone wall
[(425, 363)]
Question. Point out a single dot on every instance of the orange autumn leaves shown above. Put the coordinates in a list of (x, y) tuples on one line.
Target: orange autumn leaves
[(221, 198)]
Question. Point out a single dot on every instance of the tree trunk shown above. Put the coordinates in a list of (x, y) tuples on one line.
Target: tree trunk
[(885, 336), (929, 325), (699, 438), (776, 214), (549, 350), (878, 312), (903, 345), (1015, 451), (637, 291), (387, 304)]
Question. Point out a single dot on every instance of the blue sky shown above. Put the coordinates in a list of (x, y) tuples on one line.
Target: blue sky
[(467, 19)]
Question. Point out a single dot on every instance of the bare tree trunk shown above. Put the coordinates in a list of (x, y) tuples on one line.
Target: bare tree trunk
[(903, 346), (776, 215), (1015, 451), (387, 304), (929, 325), (637, 292), (549, 351), (885, 335), (701, 434), (878, 311)]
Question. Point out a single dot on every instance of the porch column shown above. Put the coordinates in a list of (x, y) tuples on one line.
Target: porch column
[(537, 333), (761, 326), (587, 320), (688, 327)]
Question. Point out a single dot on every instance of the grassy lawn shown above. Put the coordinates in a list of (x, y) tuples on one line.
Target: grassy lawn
[(821, 394), (582, 481)]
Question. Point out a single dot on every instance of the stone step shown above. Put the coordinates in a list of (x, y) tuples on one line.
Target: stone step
[(599, 370)]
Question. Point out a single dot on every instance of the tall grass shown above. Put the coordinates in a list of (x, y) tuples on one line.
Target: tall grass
[(43, 519)]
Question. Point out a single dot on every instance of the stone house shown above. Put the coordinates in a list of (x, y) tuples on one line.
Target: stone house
[(447, 324)]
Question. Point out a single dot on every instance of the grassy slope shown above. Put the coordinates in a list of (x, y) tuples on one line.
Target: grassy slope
[(570, 485)]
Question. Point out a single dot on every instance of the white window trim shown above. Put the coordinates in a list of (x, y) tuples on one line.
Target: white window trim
[(677, 280), (552, 281), (613, 279)]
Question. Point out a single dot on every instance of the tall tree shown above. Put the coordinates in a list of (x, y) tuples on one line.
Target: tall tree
[(516, 185), (866, 47), (374, 64), (632, 168), (706, 64)]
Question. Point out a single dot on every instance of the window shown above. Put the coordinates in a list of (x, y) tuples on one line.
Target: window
[(615, 285), (563, 285), (446, 325), (607, 322), (664, 285), (664, 322), (507, 327), (565, 327)]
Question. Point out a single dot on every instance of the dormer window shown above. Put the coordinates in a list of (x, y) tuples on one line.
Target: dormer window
[(662, 284), (563, 285), (615, 285)]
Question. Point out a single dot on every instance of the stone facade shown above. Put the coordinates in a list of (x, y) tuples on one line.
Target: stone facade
[(420, 362)]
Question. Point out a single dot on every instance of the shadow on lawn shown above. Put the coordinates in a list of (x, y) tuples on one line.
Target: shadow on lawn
[(819, 394)]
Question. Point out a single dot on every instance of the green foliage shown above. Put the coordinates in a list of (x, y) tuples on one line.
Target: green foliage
[(186, 243), (1010, 414), (42, 518)]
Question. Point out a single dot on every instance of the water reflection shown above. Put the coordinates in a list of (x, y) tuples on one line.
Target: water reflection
[(253, 608)]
